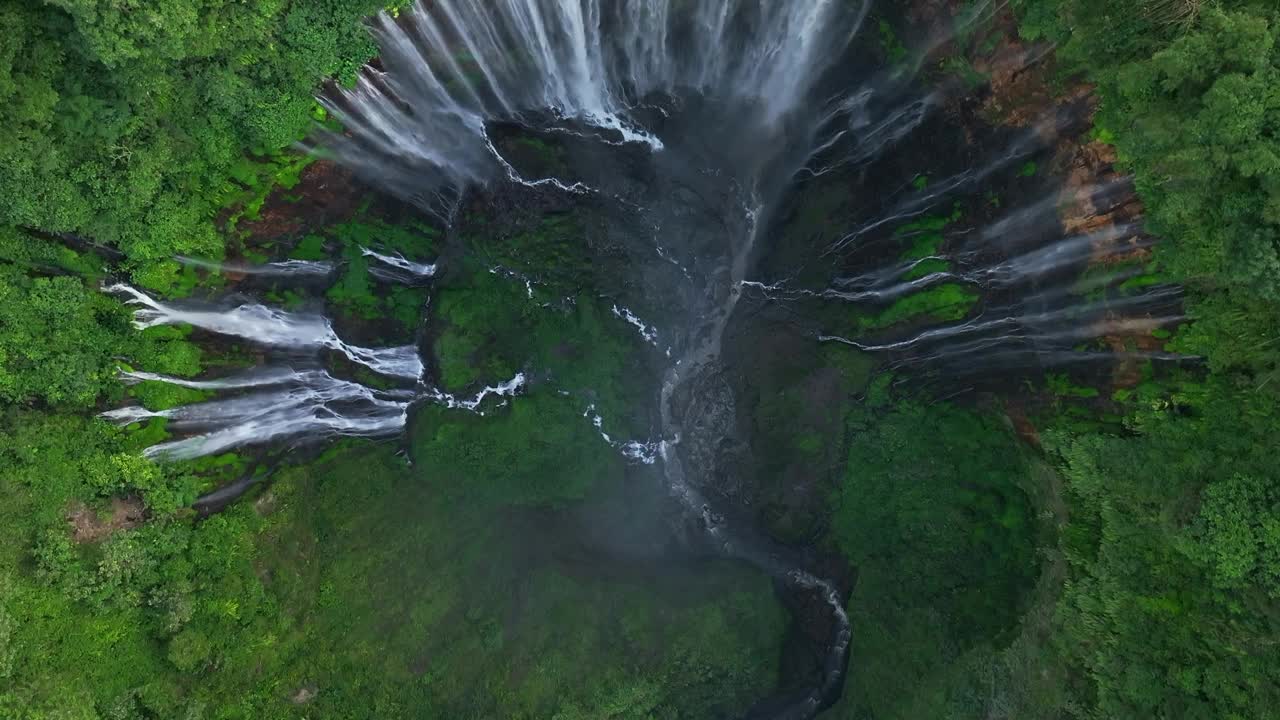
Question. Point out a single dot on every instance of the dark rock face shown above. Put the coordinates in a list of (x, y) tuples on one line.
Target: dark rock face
[(711, 433)]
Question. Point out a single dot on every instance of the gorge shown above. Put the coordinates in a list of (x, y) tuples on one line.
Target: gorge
[(644, 359)]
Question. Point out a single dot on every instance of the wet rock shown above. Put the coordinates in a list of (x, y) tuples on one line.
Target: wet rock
[(304, 695)]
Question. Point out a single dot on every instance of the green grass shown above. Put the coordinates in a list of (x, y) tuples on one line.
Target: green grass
[(1061, 386), (254, 181), (925, 234), (516, 454), (963, 69)]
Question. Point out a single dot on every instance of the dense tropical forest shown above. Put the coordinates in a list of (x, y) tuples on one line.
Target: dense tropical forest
[(1056, 543)]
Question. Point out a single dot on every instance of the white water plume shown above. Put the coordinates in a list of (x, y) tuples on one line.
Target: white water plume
[(514, 175), (513, 275), (400, 266), (271, 327), (308, 404), (1071, 253), (649, 334), (508, 389), (881, 292), (1015, 329), (927, 198), (452, 67), (862, 139), (644, 453), (283, 268), (288, 403), (1075, 323), (890, 283), (1068, 253), (254, 378), (884, 277)]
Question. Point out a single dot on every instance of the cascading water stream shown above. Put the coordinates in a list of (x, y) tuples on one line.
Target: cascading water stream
[(851, 120), (1018, 337), (420, 127), (645, 453), (923, 201), (510, 388), (285, 402), (647, 332), (272, 327), (283, 269), (739, 86), (310, 403), (896, 281), (399, 268), (702, 356)]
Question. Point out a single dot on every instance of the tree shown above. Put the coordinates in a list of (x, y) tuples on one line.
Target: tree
[(56, 340), (124, 119), (932, 514), (1171, 610), (1236, 535)]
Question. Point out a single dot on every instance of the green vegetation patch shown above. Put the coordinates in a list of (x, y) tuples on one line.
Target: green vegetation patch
[(925, 234), (254, 181), (488, 623), (797, 400), (1174, 557), (551, 249), (357, 294), (354, 588), (933, 514), (131, 127), (942, 303), (488, 329), (538, 450), (892, 47), (61, 341)]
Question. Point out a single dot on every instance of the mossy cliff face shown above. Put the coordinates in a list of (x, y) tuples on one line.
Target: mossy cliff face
[(533, 557)]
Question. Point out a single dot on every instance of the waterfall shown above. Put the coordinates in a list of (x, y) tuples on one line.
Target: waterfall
[(734, 82), (923, 201), (1015, 337), (311, 404), (418, 126), (647, 332), (889, 283), (283, 269), (736, 85), (256, 378), (271, 327), (285, 403), (510, 388), (867, 140), (645, 453), (399, 269)]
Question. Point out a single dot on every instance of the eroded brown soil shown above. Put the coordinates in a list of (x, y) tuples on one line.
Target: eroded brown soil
[(91, 526)]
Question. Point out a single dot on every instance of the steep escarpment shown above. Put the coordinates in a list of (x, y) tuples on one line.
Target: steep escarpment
[(639, 359)]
